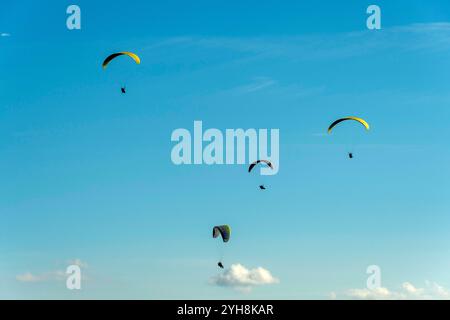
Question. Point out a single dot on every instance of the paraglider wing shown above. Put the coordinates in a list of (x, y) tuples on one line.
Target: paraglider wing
[(224, 231), (115, 55), (335, 123), (252, 165)]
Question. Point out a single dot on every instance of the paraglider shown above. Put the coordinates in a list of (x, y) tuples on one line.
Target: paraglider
[(113, 56), (253, 165), (338, 121), (223, 231)]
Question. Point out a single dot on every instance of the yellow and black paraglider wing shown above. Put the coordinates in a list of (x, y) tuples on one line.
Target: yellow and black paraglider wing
[(360, 120), (224, 231), (111, 57)]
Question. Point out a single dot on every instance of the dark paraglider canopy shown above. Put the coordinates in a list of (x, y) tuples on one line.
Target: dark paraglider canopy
[(262, 187), (252, 165), (123, 90), (224, 231), (220, 265)]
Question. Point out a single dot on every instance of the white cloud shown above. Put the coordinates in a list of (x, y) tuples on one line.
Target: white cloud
[(438, 290), (78, 262), (259, 83), (56, 275), (243, 279), (373, 294), (410, 289), (4, 34), (431, 291), (28, 277), (412, 37)]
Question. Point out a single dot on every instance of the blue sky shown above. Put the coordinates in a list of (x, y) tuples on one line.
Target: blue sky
[(86, 172)]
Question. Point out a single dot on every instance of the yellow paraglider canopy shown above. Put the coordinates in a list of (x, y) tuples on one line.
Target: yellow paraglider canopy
[(115, 55), (362, 121)]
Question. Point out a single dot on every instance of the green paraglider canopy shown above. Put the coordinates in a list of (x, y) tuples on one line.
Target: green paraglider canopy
[(224, 231)]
